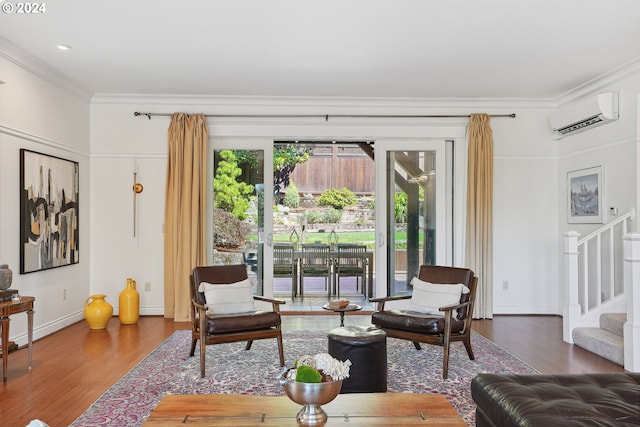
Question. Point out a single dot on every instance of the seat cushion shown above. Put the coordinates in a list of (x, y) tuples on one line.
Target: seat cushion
[(408, 320), (221, 324), (568, 400)]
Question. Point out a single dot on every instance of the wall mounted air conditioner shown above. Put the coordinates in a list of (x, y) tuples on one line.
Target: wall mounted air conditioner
[(592, 112)]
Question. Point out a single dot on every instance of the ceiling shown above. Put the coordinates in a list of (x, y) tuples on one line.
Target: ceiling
[(538, 49)]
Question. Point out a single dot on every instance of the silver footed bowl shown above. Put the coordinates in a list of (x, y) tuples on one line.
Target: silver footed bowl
[(311, 396)]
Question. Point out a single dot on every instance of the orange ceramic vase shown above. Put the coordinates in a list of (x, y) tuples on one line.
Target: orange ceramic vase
[(98, 312), (129, 310)]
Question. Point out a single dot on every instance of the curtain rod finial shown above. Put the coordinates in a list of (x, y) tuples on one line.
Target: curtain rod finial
[(138, 113)]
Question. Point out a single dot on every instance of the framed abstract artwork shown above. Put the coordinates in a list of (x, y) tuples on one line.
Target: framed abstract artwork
[(49, 229), (585, 196)]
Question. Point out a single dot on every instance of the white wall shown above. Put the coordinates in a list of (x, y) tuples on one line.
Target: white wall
[(613, 146), (38, 116), (525, 184), (525, 222)]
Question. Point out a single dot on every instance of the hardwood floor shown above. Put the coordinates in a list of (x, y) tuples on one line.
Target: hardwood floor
[(75, 366)]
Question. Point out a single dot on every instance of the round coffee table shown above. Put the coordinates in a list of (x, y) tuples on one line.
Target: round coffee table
[(350, 307)]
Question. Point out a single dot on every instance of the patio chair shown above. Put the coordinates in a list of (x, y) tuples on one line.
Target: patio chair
[(315, 261), (285, 265), (351, 261)]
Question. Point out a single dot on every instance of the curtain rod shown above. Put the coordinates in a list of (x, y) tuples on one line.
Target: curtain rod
[(326, 116)]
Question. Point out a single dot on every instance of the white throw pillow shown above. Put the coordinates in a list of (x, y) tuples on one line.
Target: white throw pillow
[(228, 298), (431, 296)]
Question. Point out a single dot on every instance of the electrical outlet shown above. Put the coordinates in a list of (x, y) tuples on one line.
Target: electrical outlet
[(64, 294), (147, 286), (505, 285)]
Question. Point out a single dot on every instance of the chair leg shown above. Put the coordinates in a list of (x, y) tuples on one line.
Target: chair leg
[(203, 357), (445, 355), (249, 343), (467, 345), (193, 346), (280, 350), (203, 344), (445, 361), (416, 344)]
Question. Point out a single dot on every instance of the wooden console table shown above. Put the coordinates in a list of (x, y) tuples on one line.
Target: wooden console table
[(358, 409), (7, 308)]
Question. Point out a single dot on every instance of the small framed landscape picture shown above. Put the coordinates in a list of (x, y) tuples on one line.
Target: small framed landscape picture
[(585, 196)]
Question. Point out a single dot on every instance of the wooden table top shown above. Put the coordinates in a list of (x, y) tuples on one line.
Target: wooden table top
[(358, 409)]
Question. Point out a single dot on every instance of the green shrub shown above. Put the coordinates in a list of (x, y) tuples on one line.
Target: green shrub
[(400, 207), (329, 216), (332, 216), (314, 217), (337, 198), (230, 194), (291, 196)]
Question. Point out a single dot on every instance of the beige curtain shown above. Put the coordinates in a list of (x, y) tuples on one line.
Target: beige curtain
[(184, 212), (479, 233)]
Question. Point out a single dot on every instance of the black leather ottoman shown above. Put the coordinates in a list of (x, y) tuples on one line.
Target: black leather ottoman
[(567, 400), (366, 348)]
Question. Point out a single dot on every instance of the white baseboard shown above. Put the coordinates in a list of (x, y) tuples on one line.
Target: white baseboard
[(49, 328)]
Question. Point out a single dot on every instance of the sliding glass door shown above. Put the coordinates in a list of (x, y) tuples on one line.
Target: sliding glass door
[(399, 212), (241, 189), (412, 205)]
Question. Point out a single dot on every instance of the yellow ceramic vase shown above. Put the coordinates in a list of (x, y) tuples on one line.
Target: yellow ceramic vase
[(98, 312), (129, 310)]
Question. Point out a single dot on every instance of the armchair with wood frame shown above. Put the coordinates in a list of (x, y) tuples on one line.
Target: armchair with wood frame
[(436, 325), (219, 315)]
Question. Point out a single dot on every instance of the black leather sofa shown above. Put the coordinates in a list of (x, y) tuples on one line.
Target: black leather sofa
[(567, 400)]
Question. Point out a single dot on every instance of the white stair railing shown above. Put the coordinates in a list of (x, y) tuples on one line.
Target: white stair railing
[(594, 270), (602, 274)]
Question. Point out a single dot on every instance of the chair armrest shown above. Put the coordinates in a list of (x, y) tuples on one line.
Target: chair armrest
[(198, 307), (381, 301), (452, 307), (274, 302), (391, 298)]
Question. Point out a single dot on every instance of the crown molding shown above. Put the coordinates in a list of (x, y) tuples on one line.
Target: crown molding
[(599, 83), (336, 103), (41, 69)]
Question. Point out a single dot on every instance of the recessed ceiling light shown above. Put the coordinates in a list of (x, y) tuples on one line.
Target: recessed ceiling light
[(63, 46)]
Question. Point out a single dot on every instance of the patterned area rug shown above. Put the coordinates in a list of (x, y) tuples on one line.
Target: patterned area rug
[(232, 369)]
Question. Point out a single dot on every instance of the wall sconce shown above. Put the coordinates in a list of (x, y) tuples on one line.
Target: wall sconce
[(137, 189)]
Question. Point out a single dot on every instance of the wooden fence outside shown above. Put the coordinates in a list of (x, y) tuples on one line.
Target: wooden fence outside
[(335, 166)]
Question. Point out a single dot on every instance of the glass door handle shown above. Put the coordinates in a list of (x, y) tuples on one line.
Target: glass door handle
[(270, 239), (380, 240)]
